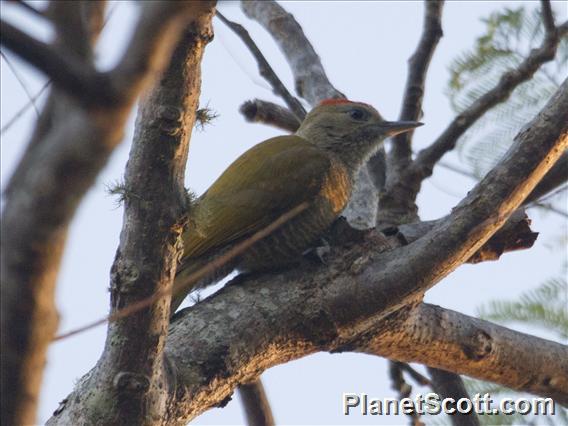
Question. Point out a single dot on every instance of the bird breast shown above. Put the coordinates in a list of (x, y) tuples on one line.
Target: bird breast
[(302, 232)]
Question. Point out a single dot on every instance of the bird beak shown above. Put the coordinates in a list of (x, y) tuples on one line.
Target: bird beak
[(392, 128)]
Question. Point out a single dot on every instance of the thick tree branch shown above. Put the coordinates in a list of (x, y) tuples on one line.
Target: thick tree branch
[(50, 183), (134, 375), (311, 81), (516, 234), (150, 243), (265, 69), (259, 111), (451, 341), (556, 177)]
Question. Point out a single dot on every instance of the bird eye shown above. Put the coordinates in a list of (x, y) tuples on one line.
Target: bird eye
[(358, 114)]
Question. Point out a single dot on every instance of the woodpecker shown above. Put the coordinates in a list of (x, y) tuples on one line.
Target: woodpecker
[(316, 165)]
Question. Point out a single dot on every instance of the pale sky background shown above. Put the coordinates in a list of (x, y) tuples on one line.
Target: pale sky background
[(364, 47)]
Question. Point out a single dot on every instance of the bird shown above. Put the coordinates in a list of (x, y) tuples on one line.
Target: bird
[(317, 165)]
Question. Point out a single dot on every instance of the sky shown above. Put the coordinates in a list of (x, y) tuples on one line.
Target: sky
[(364, 47)]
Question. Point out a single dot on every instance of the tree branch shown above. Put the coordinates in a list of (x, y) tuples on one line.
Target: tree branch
[(404, 390), (150, 243), (401, 153), (547, 17), (51, 181), (259, 111), (310, 78), (402, 208), (68, 73), (397, 201), (451, 385), (556, 177), (255, 402), (445, 339), (427, 158), (265, 69), (515, 235)]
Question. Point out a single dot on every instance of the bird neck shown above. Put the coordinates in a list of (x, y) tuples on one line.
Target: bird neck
[(353, 150)]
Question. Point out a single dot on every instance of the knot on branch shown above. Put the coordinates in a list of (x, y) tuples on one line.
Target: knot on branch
[(124, 274), (479, 346), (169, 120), (126, 381)]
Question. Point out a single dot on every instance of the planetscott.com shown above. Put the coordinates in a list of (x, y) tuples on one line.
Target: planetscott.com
[(431, 403)]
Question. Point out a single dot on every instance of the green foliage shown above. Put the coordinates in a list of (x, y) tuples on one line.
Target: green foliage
[(544, 306), (508, 39)]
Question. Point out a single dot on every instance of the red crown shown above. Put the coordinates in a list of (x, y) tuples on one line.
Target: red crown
[(334, 101)]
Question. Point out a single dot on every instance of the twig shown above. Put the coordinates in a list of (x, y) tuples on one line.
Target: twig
[(265, 69), (429, 156), (416, 376), (256, 405), (547, 17), (549, 207), (76, 78), (450, 385), (404, 390), (310, 78), (22, 83), (259, 111), (22, 110), (28, 7), (191, 279), (400, 154)]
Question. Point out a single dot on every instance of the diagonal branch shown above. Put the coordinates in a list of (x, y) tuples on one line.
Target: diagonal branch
[(556, 177), (265, 69), (401, 152), (401, 208), (310, 78), (398, 198), (427, 158)]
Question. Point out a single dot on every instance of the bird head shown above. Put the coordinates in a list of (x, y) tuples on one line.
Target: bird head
[(351, 130)]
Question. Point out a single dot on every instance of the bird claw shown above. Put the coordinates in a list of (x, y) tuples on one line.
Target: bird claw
[(319, 253)]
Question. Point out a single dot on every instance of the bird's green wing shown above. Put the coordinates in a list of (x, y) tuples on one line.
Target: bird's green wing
[(268, 180)]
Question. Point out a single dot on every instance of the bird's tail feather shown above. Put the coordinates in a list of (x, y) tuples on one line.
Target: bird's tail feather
[(184, 282)]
